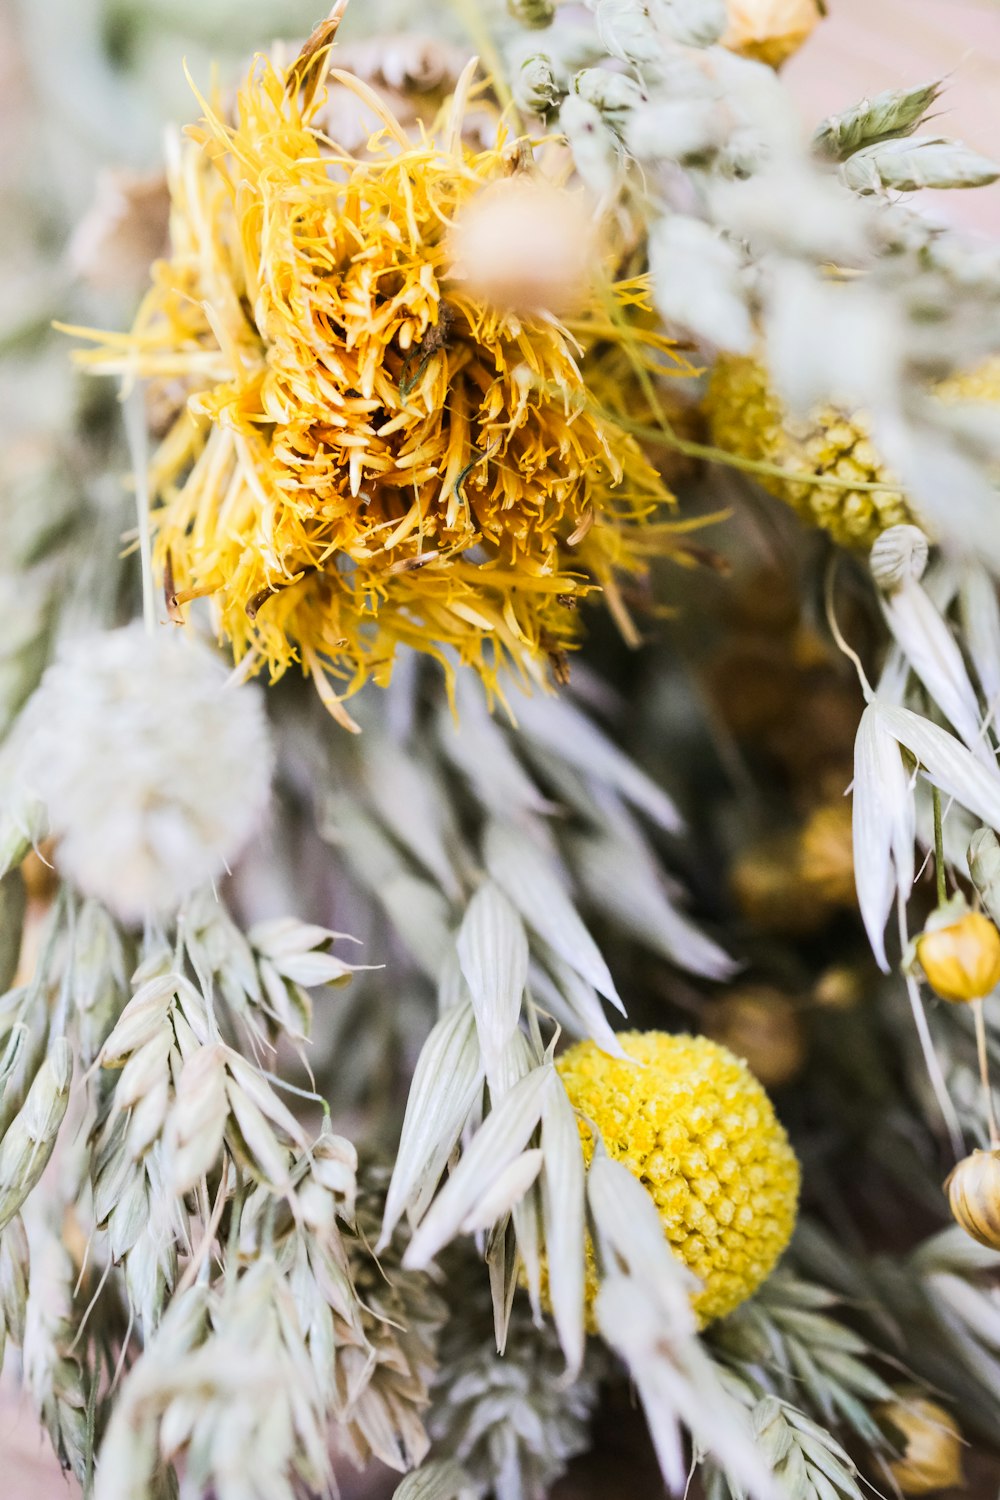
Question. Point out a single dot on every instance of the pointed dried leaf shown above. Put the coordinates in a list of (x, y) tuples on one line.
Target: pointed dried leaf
[(493, 952), (502, 1136)]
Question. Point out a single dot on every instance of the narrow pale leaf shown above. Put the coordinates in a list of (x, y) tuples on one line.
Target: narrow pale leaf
[(445, 1082), (502, 1136), (493, 952)]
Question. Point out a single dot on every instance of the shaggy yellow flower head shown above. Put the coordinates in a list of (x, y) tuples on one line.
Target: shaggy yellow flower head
[(697, 1129), (365, 454)]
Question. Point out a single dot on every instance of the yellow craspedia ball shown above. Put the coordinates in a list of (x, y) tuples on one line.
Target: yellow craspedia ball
[(747, 418), (693, 1124)]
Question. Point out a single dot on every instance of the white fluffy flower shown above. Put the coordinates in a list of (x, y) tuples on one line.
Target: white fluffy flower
[(154, 774)]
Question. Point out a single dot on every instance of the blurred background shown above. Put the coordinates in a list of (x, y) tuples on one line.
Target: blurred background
[(88, 85)]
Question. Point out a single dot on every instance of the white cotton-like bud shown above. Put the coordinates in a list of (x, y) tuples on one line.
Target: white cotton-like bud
[(899, 556), (153, 771)]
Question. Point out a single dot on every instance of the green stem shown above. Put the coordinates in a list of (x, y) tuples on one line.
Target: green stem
[(942, 894)]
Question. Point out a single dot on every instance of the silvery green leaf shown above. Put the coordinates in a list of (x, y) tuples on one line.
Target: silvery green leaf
[(409, 800), (493, 951), (883, 825), (507, 1190), (692, 23), (422, 917), (934, 655), (563, 728), (620, 878), (594, 146), (521, 870), (896, 112), (948, 763), (445, 1082), (625, 28), (503, 1135), (928, 161), (441, 1479), (980, 615), (697, 282), (572, 1001), (563, 1196)]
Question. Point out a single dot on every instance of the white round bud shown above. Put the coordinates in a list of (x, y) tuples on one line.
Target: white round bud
[(898, 557), (524, 245), (154, 773)]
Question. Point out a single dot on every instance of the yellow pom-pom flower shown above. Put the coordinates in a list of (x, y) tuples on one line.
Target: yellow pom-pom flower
[(367, 453), (747, 419), (693, 1124)]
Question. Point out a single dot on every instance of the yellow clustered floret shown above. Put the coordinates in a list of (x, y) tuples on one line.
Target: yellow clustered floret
[(699, 1132), (364, 455), (748, 419)]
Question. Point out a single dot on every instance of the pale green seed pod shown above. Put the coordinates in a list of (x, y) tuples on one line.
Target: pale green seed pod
[(984, 867), (537, 89), (14, 1261), (28, 1143)]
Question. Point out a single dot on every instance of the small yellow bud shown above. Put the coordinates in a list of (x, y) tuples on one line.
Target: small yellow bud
[(960, 959), (974, 1197), (769, 31), (932, 1452)]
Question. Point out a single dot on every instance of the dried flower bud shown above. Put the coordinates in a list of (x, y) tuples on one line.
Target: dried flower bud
[(524, 245), (769, 31), (899, 556), (28, 1142), (533, 13), (932, 1456), (536, 89), (974, 1196), (762, 1026), (614, 94), (960, 958)]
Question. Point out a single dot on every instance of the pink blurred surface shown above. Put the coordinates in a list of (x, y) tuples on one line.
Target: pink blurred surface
[(865, 46)]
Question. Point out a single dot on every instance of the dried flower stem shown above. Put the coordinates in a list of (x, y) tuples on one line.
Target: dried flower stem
[(942, 893), (984, 1071)]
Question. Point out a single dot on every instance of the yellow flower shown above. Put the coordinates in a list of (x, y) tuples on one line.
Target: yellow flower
[(366, 455), (932, 1448), (960, 959), (698, 1130), (747, 419)]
